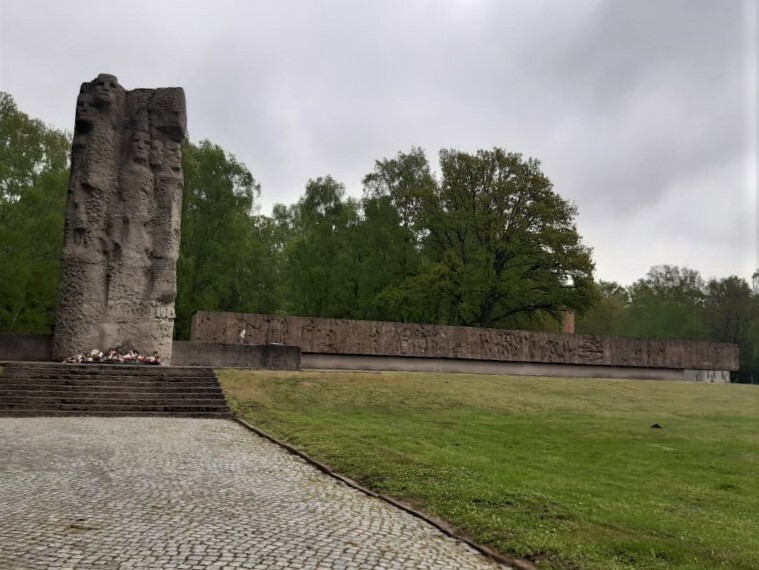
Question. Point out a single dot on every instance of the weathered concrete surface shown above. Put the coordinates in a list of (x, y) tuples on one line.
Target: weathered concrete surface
[(709, 376), (118, 268), (173, 493), (268, 356), (375, 338), (416, 364), (14, 347), (25, 346)]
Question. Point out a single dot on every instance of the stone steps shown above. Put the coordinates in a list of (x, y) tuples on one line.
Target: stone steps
[(30, 369), (109, 383), (111, 376), (98, 400), (53, 389), (131, 406), (29, 412)]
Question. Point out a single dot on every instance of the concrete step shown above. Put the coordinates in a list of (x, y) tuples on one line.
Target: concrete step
[(25, 368), (95, 398), (110, 382), (135, 405), (111, 376), (113, 372), (45, 389), (26, 413), (104, 391)]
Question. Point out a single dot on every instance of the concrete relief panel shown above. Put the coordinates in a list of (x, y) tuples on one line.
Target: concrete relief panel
[(467, 341), (118, 268), (657, 356), (376, 345), (589, 350), (691, 353), (361, 332), (278, 329), (536, 352), (494, 347), (627, 351), (337, 336)]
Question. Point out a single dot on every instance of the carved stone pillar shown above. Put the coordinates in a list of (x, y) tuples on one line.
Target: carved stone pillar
[(118, 268)]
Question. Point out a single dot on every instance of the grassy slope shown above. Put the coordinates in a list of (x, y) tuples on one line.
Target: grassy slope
[(564, 471)]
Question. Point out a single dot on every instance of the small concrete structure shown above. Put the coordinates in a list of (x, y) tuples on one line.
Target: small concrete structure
[(29, 347), (118, 267), (268, 356)]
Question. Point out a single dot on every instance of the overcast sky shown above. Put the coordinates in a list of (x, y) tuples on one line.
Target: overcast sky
[(642, 112)]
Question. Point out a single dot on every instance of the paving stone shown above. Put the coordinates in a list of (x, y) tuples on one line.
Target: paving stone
[(90, 492)]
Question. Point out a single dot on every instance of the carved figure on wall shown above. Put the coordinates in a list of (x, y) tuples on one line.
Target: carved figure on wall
[(403, 340), (118, 268), (328, 337), (86, 112), (590, 350), (277, 330), (374, 336), (656, 353), (156, 154), (174, 155), (419, 341), (308, 333), (106, 88), (140, 146)]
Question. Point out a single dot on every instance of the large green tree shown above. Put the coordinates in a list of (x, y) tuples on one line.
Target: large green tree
[(609, 316), (731, 314), (29, 150), (321, 265), (668, 304), (499, 246), (225, 253), (730, 308), (390, 237), (33, 180)]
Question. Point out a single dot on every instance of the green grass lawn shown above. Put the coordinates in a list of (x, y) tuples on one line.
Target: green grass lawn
[(565, 472)]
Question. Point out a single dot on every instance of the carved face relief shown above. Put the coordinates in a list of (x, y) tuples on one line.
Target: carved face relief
[(85, 109), (174, 155), (156, 153), (106, 87), (140, 146)]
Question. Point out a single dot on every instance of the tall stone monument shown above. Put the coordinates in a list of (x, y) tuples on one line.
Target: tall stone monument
[(118, 268)]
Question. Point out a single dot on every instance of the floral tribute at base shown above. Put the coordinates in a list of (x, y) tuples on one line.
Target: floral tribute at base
[(113, 356)]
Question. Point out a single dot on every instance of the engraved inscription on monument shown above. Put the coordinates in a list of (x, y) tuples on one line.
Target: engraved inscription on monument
[(118, 268), (338, 336)]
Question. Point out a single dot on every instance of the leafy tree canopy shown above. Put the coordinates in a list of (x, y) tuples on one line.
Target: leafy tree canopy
[(498, 241), (33, 181)]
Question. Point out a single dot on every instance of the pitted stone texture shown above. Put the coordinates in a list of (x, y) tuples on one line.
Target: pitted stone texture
[(376, 338), (175, 493), (118, 268)]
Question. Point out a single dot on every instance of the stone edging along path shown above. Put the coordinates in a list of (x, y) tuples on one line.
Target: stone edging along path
[(441, 525)]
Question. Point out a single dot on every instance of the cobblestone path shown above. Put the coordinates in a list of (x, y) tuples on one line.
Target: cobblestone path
[(164, 493)]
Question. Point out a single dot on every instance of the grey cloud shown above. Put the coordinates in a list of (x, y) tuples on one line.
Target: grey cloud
[(639, 110), (626, 44)]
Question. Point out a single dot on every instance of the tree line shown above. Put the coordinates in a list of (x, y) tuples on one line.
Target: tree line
[(677, 303), (487, 242)]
